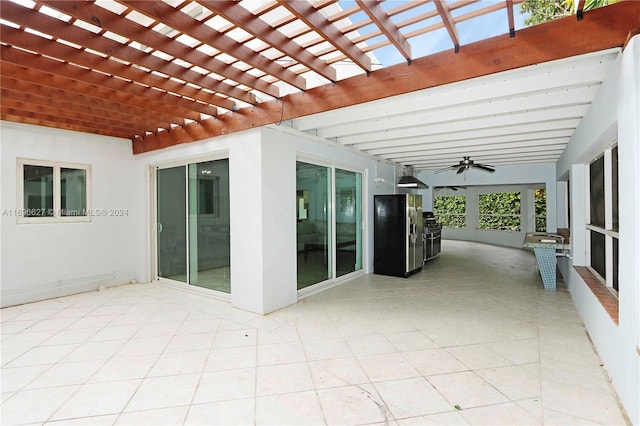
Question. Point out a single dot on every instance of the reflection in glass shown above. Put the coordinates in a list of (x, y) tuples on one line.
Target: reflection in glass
[(172, 226), (313, 224), (38, 191), (598, 253), (73, 192), (348, 219), (209, 231)]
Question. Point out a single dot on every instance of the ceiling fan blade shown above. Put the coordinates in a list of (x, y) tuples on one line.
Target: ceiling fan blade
[(445, 169), (484, 167), (460, 169)]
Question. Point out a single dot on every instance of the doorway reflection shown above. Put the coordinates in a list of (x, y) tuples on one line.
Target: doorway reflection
[(348, 222), (209, 230), (313, 228)]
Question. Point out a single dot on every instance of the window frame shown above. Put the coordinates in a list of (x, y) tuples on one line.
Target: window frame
[(463, 215), (610, 234), (57, 217), (518, 215)]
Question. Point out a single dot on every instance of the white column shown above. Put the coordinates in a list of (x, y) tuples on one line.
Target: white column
[(263, 254)]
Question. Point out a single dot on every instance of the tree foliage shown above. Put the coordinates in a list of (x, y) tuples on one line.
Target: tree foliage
[(499, 211), (450, 210), (540, 198), (547, 10)]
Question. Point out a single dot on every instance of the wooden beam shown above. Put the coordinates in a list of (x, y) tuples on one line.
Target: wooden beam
[(46, 120), (602, 28), (249, 22), (449, 23), (39, 21), (120, 101), (94, 62), (512, 25), (191, 109), (169, 15), (18, 91), (305, 12), (380, 18), (117, 24), (63, 114), (579, 9)]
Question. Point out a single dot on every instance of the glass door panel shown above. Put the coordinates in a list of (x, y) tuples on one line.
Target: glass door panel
[(172, 225), (209, 235), (348, 222), (313, 188)]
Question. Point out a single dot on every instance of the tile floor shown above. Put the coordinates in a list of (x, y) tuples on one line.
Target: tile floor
[(472, 339)]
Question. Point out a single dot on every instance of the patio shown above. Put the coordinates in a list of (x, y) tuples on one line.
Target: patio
[(472, 339)]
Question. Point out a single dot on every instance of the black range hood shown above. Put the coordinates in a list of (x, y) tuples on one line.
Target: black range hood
[(411, 182)]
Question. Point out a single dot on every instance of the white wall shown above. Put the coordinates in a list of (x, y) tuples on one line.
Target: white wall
[(52, 259), (615, 113), (505, 179)]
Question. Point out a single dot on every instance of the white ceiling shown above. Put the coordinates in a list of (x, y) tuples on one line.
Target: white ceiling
[(521, 116)]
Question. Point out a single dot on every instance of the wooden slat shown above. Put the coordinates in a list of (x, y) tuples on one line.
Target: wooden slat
[(122, 102), (12, 55), (606, 28), (579, 9), (147, 37), (329, 32), (512, 25), (252, 24), (18, 92), (63, 114), (48, 25), (180, 21), (388, 28), (449, 23), (72, 55), (10, 114)]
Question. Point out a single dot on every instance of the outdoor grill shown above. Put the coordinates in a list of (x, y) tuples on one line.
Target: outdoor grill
[(432, 233)]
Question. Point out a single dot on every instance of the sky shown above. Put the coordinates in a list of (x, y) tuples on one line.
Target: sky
[(469, 31)]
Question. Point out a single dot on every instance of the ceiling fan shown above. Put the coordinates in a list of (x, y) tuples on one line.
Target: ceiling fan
[(466, 164), (453, 188)]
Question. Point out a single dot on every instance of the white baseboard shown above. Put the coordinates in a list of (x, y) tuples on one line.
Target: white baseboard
[(19, 294)]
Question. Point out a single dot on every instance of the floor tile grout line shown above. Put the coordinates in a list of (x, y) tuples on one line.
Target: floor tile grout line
[(203, 369)]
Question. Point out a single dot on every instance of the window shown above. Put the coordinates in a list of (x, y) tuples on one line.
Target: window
[(450, 210), (52, 192), (602, 227), (540, 200), (499, 211)]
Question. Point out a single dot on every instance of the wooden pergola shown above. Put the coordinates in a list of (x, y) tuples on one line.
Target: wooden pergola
[(165, 73)]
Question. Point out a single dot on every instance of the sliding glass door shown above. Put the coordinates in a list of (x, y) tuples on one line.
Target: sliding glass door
[(193, 244), (348, 222), (329, 240), (172, 225), (313, 188)]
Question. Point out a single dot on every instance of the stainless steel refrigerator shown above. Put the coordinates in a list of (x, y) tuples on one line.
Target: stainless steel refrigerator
[(397, 234)]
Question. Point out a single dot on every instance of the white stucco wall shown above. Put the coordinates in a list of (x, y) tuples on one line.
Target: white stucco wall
[(51, 259), (614, 114)]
